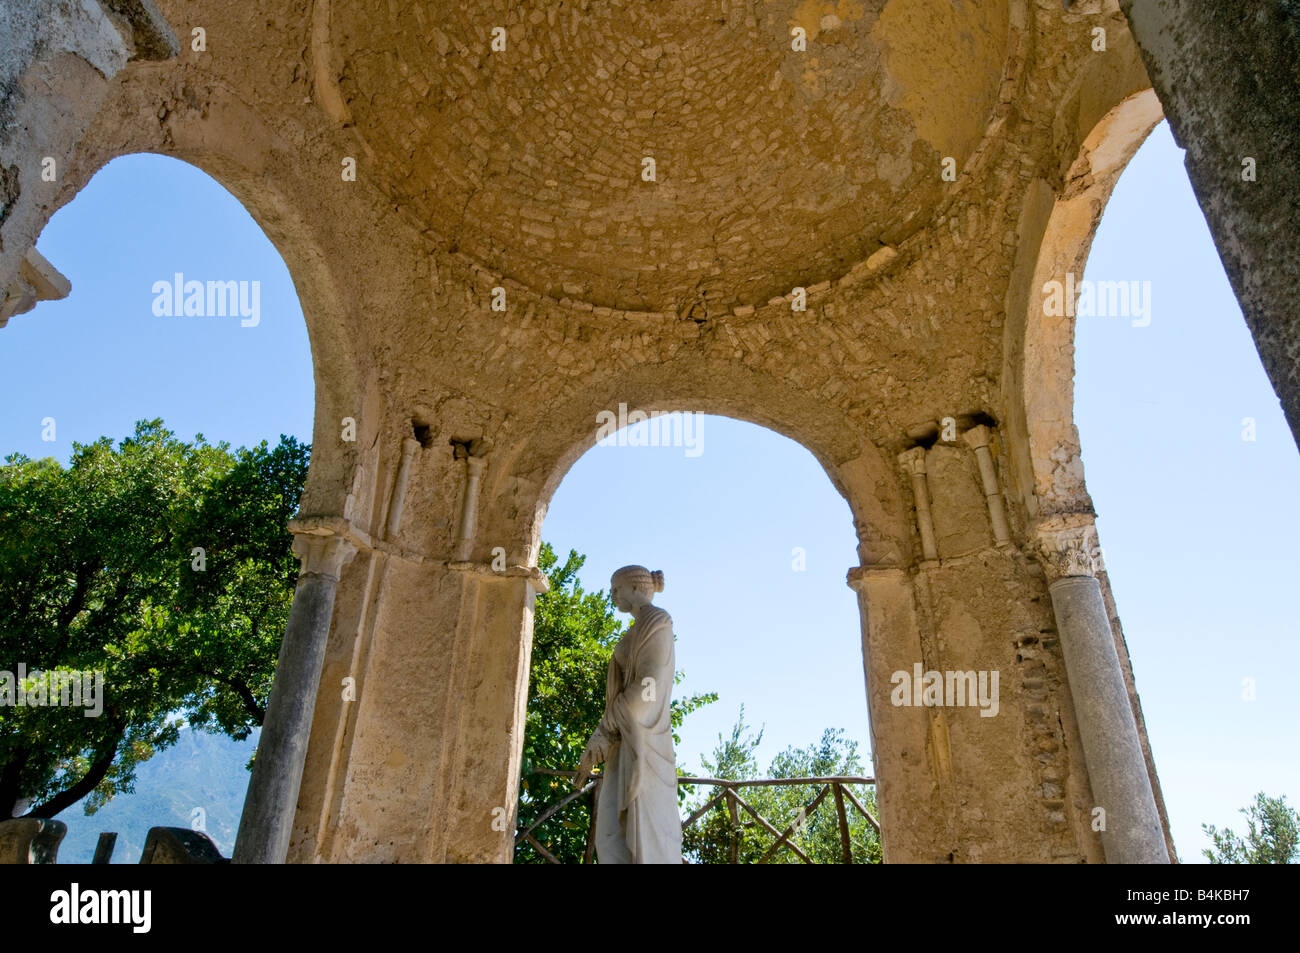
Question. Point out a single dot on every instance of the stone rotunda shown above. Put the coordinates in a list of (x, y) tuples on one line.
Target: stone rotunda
[(833, 219)]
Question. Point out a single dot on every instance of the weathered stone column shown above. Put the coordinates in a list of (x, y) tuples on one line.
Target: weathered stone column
[(978, 439), (474, 467), (267, 820), (913, 464), (1121, 787), (410, 446)]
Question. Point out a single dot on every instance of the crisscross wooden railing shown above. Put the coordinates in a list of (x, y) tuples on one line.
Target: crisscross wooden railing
[(837, 787)]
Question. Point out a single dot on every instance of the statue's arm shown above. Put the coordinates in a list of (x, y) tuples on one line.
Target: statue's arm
[(602, 738), (649, 689), (597, 748), (640, 705)]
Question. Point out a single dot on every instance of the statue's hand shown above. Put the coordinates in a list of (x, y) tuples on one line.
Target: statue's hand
[(596, 751), (597, 747), (585, 764)]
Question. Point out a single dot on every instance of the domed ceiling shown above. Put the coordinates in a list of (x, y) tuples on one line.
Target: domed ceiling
[(773, 168)]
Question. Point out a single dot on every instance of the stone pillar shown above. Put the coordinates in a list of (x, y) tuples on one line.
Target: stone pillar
[(958, 780), (1117, 770), (479, 788), (267, 820), (909, 748), (424, 766)]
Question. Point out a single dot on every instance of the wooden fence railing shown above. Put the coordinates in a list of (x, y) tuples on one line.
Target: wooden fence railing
[(837, 787)]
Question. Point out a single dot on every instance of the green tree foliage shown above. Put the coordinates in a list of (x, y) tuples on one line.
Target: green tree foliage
[(574, 634), (709, 839), (1272, 835), (232, 616), (98, 573)]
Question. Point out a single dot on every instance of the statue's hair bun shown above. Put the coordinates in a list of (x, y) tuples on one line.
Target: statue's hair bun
[(640, 577)]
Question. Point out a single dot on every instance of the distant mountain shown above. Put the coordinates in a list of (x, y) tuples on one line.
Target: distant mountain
[(199, 782)]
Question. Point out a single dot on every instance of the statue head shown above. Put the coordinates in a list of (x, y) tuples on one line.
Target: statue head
[(634, 586)]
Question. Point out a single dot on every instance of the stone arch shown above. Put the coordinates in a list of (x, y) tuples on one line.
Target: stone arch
[(258, 172), (855, 467), (535, 455), (419, 772), (1050, 466), (850, 486), (1046, 458)]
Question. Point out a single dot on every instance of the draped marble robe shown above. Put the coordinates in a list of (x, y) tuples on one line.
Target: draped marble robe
[(636, 815)]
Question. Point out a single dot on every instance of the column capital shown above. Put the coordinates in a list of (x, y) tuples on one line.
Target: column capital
[(323, 544), (977, 437), (913, 461), (1068, 548)]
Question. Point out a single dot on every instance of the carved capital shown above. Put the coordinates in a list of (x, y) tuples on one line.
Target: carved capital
[(1069, 551), (913, 461), (321, 553), (977, 437)]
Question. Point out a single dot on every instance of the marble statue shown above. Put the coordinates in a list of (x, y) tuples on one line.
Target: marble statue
[(636, 810)]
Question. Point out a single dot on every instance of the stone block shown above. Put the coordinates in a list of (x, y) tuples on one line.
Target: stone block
[(30, 840), (180, 845)]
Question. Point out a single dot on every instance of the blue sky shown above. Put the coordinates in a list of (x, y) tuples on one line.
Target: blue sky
[(1196, 542)]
